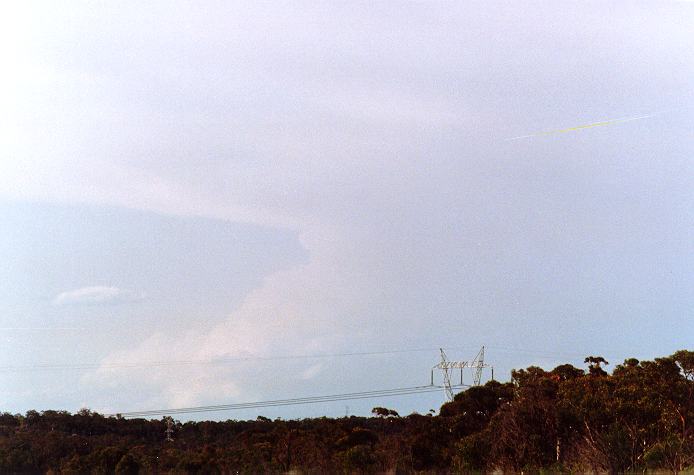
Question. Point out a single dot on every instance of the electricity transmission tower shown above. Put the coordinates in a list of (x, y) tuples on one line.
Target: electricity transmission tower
[(447, 369), (446, 366), (478, 364), (169, 429)]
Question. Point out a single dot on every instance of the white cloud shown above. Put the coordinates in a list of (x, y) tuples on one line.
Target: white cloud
[(95, 295), (312, 371), (141, 386)]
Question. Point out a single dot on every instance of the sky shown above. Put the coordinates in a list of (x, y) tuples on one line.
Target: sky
[(236, 183)]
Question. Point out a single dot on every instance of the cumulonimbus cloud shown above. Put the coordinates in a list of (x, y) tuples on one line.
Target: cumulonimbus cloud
[(95, 295)]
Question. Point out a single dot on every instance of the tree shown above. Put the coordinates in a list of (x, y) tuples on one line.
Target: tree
[(526, 431), (127, 465), (384, 412), (595, 365)]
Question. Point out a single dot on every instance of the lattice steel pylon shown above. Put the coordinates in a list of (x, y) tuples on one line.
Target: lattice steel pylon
[(446, 366), (478, 364), (446, 375), (169, 428)]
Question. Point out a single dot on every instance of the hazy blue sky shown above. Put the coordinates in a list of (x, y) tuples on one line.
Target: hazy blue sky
[(216, 180)]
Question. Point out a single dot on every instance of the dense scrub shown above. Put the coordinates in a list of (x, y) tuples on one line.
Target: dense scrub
[(641, 416)]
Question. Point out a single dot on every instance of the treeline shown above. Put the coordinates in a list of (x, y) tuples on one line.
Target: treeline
[(639, 417)]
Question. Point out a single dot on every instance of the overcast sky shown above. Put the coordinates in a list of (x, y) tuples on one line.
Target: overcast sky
[(218, 180)]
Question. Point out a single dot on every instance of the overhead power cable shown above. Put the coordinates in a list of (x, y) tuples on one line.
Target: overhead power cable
[(285, 402), (220, 361), (224, 361)]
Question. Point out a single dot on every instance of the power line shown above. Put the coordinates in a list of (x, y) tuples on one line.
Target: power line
[(285, 402), (543, 355), (240, 359), (221, 361)]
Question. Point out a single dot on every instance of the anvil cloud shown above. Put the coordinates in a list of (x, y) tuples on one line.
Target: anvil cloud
[(309, 177)]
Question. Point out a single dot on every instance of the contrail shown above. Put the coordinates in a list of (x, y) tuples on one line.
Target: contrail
[(586, 126)]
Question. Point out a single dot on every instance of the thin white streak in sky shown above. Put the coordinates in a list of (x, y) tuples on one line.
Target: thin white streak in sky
[(585, 126)]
